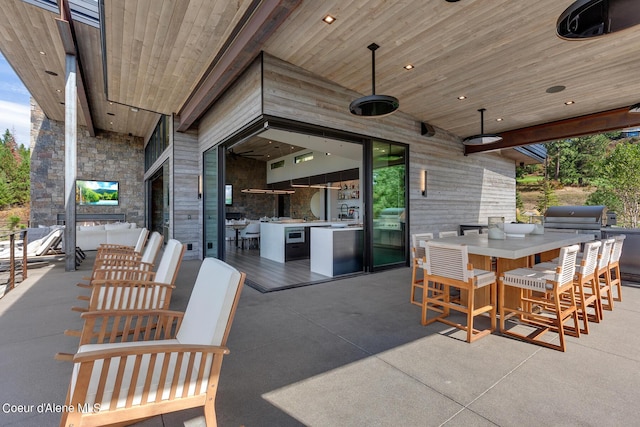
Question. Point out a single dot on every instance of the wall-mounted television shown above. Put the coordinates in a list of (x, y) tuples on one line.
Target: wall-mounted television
[(97, 193), (228, 194)]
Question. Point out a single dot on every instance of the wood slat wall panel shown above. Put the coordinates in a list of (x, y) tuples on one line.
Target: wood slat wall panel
[(240, 105), (460, 188), (186, 205)]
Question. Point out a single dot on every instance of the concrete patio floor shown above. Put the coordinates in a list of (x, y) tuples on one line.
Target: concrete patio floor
[(347, 353)]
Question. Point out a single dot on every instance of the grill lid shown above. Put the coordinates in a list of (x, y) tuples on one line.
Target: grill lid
[(576, 217)]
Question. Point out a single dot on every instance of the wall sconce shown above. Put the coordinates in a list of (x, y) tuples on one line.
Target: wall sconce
[(423, 183), (199, 186)]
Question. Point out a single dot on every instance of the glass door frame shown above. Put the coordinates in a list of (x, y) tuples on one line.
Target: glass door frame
[(366, 142), (368, 168)]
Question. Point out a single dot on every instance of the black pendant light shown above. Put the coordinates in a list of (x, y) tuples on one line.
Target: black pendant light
[(374, 105), (483, 138)]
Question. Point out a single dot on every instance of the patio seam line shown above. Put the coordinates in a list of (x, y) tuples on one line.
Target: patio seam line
[(466, 406)]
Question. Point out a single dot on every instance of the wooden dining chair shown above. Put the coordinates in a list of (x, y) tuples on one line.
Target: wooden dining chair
[(418, 242), (443, 234), (584, 282), (447, 266), (614, 266), (139, 371), (547, 301)]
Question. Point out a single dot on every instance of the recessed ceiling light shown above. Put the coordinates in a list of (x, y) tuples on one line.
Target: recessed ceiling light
[(461, 97), (499, 119), (134, 109), (569, 102), (51, 73), (556, 89), (43, 52), (58, 90), (409, 67), (111, 123), (328, 19)]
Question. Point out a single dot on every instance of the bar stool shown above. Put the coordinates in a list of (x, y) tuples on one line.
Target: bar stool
[(447, 265), (547, 300), (584, 282), (603, 277), (614, 266), (417, 255)]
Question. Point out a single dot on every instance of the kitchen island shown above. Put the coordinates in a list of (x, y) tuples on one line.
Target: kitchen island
[(286, 240), (337, 250)]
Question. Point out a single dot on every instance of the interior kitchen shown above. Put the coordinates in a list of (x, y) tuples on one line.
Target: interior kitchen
[(305, 208)]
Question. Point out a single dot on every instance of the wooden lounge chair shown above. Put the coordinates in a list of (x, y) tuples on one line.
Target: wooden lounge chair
[(139, 246), (134, 285), (151, 371), (39, 247)]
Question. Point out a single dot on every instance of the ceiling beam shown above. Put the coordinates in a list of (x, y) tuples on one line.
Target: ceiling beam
[(243, 46), (67, 34), (604, 121)]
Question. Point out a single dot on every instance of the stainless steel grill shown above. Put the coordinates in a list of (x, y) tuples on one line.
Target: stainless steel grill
[(577, 219)]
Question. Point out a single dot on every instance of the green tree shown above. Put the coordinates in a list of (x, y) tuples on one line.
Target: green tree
[(575, 161), (14, 171), (547, 197), (621, 173)]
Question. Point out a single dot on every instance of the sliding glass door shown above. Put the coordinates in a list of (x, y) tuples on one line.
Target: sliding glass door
[(389, 204)]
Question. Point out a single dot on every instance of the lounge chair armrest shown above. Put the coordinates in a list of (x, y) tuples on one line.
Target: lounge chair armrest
[(111, 326), (132, 350), (64, 357), (116, 313), (72, 332)]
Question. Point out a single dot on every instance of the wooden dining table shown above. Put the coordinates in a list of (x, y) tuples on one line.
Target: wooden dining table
[(511, 253)]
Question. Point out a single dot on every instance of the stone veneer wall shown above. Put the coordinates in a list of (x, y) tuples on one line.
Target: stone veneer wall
[(106, 157)]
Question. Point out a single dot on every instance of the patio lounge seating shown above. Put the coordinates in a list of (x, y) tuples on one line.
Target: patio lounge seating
[(151, 370), (129, 285), (39, 247)]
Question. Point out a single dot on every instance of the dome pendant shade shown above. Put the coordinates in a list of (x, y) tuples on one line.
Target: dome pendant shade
[(374, 105), (482, 138)]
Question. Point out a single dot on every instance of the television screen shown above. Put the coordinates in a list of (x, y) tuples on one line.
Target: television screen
[(228, 194), (101, 193)]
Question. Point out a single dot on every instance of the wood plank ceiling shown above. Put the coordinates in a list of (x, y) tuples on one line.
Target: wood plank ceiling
[(501, 55)]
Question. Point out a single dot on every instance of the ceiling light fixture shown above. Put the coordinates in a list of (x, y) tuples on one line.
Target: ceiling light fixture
[(374, 105), (569, 102), (266, 191), (328, 19), (634, 108), (482, 138), (461, 97), (409, 67)]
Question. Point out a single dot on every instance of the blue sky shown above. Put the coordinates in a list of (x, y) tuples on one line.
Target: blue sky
[(14, 104)]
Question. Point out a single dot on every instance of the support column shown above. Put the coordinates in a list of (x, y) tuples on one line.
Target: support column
[(70, 160)]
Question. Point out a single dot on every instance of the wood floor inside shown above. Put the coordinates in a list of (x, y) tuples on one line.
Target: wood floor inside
[(266, 275)]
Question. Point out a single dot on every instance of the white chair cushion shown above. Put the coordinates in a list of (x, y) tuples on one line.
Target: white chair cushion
[(205, 318)]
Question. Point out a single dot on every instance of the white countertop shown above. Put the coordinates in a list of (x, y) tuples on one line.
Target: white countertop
[(517, 247)]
